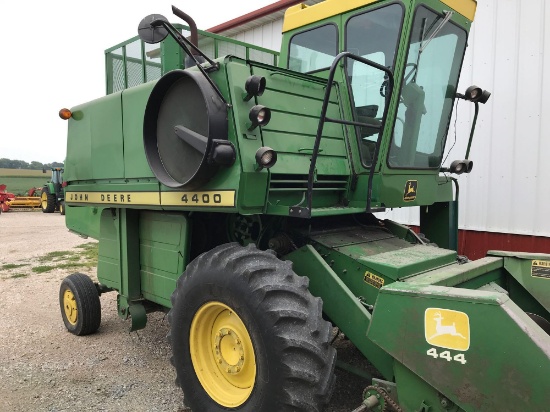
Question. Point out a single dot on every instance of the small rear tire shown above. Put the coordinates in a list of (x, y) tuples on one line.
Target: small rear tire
[(62, 208), (80, 305)]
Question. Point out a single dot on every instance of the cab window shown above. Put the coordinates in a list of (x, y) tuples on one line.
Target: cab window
[(314, 49), (427, 94), (374, 36)]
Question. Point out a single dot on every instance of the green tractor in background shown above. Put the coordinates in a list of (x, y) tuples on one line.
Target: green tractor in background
[(52, 197), (237, 194)]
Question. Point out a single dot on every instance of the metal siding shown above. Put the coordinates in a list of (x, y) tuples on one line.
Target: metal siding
[(509, 50), (268, 35), (508, 190)]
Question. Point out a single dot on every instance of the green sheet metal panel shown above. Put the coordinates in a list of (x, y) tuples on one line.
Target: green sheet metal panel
[(134, 101), (531, 270), (295, 102), (78, 163), (476, 347), (455, 275), (108, 263), (95, 132), (404, 262), (83, 220), (163, 253), (300, 143), (253, 183), (107, 142)]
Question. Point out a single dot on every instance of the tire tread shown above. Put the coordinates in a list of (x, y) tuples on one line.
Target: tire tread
[(302, 335)]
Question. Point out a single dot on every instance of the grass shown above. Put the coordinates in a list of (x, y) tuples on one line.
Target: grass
[(9, 266), (89, 251), (22, 173), (85, 256), (81, 257), (19, 181), (20, 186), (59, 254), (42, 268)]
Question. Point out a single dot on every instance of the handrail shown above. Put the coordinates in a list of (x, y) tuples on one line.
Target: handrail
[(306, 212)]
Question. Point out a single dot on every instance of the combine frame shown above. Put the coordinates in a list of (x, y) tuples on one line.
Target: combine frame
[(238, 197)]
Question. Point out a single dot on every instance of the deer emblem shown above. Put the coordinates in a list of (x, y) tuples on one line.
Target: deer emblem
[(444, 329), (410, 189)]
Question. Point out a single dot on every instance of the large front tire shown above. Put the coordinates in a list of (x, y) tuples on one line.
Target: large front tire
[(247, 335), (47, 201)]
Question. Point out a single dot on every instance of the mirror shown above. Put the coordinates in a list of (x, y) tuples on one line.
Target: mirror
[(151, 31)]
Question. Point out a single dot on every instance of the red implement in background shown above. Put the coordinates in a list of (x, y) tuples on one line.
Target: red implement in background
[(5, 198), (9, 200)]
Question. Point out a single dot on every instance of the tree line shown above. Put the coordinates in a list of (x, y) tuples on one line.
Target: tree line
[(21, 164)]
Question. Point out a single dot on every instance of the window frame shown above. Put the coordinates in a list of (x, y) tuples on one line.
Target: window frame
[(446, 134), (311, 29), (350, 92)]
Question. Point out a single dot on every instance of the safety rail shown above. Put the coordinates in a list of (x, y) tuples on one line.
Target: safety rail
[(134, 62), (305, 212)]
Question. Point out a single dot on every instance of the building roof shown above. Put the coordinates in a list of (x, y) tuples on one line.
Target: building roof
[(258, 17)]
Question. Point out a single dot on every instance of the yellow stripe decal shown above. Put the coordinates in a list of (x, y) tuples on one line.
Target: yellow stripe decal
[(301, 15), (224, 198), (114, 198), (465, 7), (218, 198)]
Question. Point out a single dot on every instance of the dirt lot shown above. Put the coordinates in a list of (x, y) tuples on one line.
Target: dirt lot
[(45, 368)]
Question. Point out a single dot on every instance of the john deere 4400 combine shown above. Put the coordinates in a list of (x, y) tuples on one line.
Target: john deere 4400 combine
[(238, 196)]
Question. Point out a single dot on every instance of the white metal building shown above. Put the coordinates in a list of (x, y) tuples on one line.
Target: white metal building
[(508, 193)]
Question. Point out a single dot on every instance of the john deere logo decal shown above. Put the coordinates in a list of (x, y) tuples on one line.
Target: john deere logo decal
[(410, 190), (448, 329)]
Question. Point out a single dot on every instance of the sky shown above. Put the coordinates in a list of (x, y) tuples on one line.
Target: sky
[(54, 57)]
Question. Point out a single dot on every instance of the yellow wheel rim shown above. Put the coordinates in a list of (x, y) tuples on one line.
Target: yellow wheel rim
[(69, 304), (44, 200), (222, 354)]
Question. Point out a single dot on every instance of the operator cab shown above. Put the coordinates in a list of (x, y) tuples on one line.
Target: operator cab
[(401, 130)]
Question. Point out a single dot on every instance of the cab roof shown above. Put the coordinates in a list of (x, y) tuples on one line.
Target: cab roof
[(302, 15)]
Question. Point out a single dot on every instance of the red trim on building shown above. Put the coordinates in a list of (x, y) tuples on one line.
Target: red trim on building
[(476, 244), (256, 14)]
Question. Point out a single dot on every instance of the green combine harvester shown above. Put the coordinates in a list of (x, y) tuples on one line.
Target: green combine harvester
[(237, 192)]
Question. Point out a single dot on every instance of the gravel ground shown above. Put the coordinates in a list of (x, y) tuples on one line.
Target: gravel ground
[(45, 368)]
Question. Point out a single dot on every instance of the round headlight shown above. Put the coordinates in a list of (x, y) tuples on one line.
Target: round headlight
[(458, 167), (266, 157), (473, 93), (255, 86), (259, 116)]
